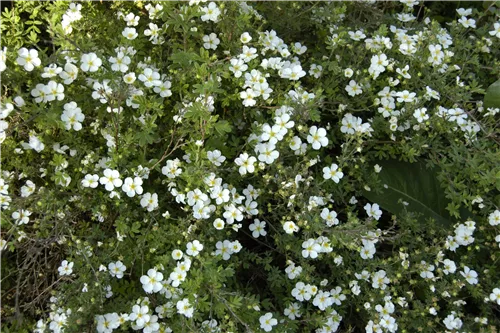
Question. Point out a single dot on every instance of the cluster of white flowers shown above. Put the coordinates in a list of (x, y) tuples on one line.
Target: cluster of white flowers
[(73, 14), (258, 63)]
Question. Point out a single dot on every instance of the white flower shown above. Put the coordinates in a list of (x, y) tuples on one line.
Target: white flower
[(58, 322), (290, 227), (3, 58), (69, 74), (72, 116), (232, 213), (267, 152), (140, 314), (132, 186), (380, 280), (496, 30), (193, 248), (357, 36), (333, 172), (245, 37), (330, 217), (293, 73), (177, 254), (427, 273), (196, 197), (317, 137), (353, 88), (420, 114), (323, 300), (449, 266), (111, 179), (53, 91), (27, 189), (66, 268), (406, 96), (238, 66), (90, 181), (120, 63), (464, 12), (316, 70), (172, 169), (495, 296), (28, 58), (293, 271), (5, 110), (248, 97), (130, 33), (368, 250), (153, 33), (293, 311), (107, 323), (35, 143), (116, 269), (467, 22), (310, 248), (51, 71), (129, 78), (131, 19), (220, 194), (21, 216), (373, 211), (185, 308), (3, 244), (469, 275), (218, 224), (149, 201), (295, 143), (150, 78), (494, 218), (211, 13), (90, 62), (211, 41), (258, 228), (267, 322), (348, 72), (216, 157), (452, 323), (151, 283), (224, 249)]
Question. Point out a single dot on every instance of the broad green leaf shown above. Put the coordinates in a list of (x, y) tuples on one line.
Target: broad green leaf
[(492, 97), (412, 183)]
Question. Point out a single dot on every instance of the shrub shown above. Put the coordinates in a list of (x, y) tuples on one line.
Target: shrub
[(245, 167)]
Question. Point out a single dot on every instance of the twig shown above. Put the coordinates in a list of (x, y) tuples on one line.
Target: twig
[(234, 314)]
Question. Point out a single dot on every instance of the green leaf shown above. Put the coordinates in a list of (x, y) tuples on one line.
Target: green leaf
[(184, 58), (489, 4), (497, 177), (222, 126), (414, 184), (492, 97)]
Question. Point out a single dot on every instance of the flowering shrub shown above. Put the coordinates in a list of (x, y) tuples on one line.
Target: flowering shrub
[(246, 167)]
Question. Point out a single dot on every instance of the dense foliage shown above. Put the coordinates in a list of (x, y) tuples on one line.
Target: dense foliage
[(246, 167)]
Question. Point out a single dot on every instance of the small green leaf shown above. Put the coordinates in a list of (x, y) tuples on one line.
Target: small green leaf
[(490, 4), (184, 58), (222, 126), (492, 97)]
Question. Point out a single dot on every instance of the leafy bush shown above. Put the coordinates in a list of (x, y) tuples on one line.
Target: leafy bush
[(247, 167)]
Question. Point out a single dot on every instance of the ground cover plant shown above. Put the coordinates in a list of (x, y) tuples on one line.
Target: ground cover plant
[(250, 166)]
